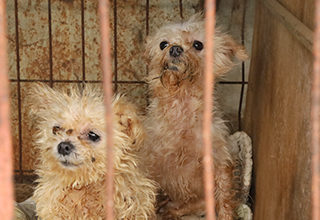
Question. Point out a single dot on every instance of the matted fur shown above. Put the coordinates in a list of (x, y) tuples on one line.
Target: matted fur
[(72, 187), (173, 148)]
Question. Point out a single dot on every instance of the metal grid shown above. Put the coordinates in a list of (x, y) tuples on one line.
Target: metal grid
[(107, 83), (24, 174)]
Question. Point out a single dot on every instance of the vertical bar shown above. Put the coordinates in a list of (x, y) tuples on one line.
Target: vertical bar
[(18, 87), (6, 166), (50, 44), (115, 46), (147, 17), (315, 119), (242, 65), (181, 8), (83, 43), (107, 85), (207, 114)]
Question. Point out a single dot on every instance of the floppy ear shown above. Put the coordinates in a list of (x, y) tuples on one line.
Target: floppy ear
[(225, 50), (41, 98)]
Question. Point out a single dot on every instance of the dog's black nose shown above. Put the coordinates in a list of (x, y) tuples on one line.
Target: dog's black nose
[(175, 51), (65, 148)]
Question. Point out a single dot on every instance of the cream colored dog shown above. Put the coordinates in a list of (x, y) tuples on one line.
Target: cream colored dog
[(72, 144), (173, 154)]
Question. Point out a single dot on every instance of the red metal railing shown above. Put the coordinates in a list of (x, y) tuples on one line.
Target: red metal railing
[(107, 85), (6, 160), (208, 100), (315, 119)]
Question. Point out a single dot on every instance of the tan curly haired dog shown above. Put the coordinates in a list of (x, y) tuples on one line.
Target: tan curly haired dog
[(173, 149), (72, 145)]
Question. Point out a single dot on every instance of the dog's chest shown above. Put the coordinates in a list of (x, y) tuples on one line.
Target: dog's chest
[(176, 122), (87, 201), (177, 131)]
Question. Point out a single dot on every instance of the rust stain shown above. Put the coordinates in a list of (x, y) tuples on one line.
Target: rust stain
[(33, 39), (67, 1), (66, 40)]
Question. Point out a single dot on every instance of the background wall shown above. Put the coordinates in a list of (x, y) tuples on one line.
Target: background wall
[(58, 42)]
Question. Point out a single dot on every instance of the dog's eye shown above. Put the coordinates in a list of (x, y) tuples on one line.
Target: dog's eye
[(198, 45), (55, 129), (93, 136), (163, 45)]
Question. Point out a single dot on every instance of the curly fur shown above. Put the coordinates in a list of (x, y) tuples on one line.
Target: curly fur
[(73, 186), (173, 148)]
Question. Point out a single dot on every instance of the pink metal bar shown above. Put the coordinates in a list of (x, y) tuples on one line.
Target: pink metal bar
[(208, 100), (315, 119), (107, 84), (6, 167)]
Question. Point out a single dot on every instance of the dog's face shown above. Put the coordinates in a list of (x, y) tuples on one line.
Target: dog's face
[(71, 135), (176, 52), (76, 138)]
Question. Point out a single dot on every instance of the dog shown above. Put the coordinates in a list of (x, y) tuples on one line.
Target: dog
[(71, 140), (173, 151)]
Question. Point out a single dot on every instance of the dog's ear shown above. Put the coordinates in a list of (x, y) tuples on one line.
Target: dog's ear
[(226, 49), (41, 98), (127, 122)]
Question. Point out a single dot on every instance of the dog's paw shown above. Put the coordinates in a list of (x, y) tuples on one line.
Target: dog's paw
[(244, 212)]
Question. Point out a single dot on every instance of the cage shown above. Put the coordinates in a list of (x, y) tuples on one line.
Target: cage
[(58, 42)]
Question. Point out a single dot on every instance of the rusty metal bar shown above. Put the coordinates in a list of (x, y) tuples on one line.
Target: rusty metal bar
[(16, 12), (242, 66), (6, 160), (147, 16), (181, 8), (115, 19), (315, 119), (50, 44), (83, 39), (107, 85), (207, 114)]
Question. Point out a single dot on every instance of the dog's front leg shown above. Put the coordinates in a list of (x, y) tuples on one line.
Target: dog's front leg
[(224, 193)]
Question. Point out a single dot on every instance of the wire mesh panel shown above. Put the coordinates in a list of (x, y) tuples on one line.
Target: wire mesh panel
[(58, 43)]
